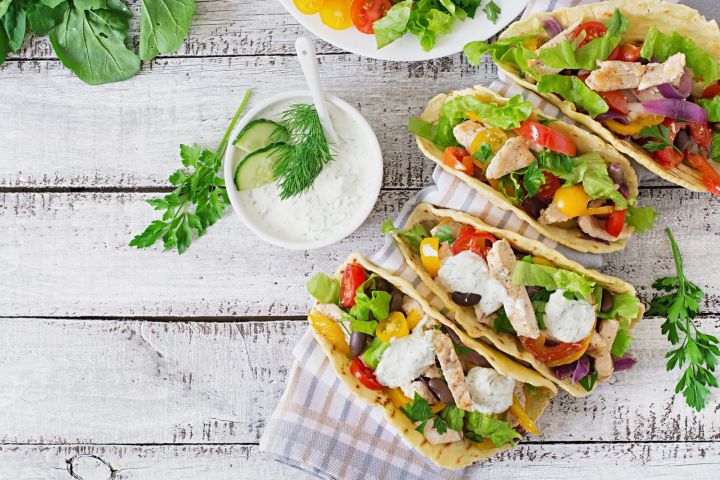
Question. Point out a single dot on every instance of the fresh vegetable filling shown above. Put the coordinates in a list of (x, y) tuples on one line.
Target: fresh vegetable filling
[(562, 318), (536, 167), (661, 93), (448, 390)]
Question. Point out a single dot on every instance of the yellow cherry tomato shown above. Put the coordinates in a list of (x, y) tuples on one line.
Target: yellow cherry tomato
[(328, 328), (437, 407), (542, 261), (394, 326), (494, 137), (572, 201), (429, 254), (522, 417), (636, 126), (397, 397), (308, 7), (413, 318), (336, 14)]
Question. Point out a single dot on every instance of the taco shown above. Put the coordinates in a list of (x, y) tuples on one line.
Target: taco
[(643, 75), (564, 181), (571, 324), (453, 399)]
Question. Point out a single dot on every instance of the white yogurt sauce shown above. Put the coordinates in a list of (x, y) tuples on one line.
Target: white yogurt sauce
[(405, 359), (568, 320), (467, 272), (331, 204), (490, 391)]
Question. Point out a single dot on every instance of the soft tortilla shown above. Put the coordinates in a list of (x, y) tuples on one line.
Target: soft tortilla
[(465, 316), (585, 142), (642, 14), (453, 455)]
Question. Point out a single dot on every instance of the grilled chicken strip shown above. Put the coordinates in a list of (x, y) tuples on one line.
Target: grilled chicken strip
[(421, 389), (614, 75), (603, 360), (596, 228), (437, 438), (514, 155), (670, 71), (552, 214), (465, 132), (452, 369)]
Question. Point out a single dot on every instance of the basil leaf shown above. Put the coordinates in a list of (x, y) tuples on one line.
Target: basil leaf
[(14, 22), (164, 24)]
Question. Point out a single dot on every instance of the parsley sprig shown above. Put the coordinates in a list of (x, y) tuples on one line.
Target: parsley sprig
[(696, 349), (198, 199), (660, 135), (492, 10)]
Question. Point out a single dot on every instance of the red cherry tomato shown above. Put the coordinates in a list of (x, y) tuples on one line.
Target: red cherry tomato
[(625, 53), (616, 100), (555, 353), (547, 191), (615, 222), (476, 242), (459, 159), (710, 177), (669, 157), (712, 91), (363, 373), (353, 276), (547, 137), (592, 31), (365, 12), (700, 132)]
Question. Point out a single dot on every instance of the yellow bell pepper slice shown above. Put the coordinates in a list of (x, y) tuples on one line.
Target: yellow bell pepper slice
[(429, 254), (394, 326), (522, 417), (413, 318), (329, 328), (531, 43), (397, 397), (606, 210), (437, 407), (542, 261), (492, 136), (635, 127)]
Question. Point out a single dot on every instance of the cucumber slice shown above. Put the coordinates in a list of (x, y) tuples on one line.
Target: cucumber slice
[(259, 134), (256, 169)]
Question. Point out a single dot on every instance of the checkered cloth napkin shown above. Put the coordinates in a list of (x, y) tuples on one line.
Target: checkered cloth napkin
[(318, 426)]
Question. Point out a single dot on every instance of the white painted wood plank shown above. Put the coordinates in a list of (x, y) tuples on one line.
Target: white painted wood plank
[(699, 461), (140, 382), (66, 254)]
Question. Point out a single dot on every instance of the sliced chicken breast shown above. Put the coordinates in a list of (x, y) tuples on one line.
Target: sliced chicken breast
[(603, 361), (614, 75), (595, 227), (670, 71), (437, 438), (421, 389), (514, 155), (452, 370), (552, 214), (465, 132)]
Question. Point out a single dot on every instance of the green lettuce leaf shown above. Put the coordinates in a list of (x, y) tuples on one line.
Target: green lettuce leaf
[(510, 51), (712, 107), (622, 342), (413, 236), (715, 147), (565, 56), (574, 90), (378, 303), (364, 326), (394, 24), (374, 352), (551, 278), (324, 288), (597, 182), (479, 427), (642, 218), (625, 305), (617, 24), (453, 416), (660, 45)]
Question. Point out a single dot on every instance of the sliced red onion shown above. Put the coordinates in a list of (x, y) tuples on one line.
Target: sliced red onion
[(668, 90), (581, 369), (552, 26), (676, 108), (564, 371), (623, 363), (613, 115), (616, 172)]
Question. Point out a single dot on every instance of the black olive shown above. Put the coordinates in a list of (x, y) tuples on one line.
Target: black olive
[(533, 206), (466, 299), (472, 357), (607, 301), (532, 290), (358, 342), (396, 301), (382, 284), (441, 390)]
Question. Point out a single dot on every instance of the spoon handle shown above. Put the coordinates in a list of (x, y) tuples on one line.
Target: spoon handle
[(306, 54)]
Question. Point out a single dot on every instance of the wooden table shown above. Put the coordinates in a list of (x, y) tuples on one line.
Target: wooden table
[(155, 366)]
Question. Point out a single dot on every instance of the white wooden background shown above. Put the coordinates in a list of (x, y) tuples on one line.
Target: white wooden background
[(125, 364)]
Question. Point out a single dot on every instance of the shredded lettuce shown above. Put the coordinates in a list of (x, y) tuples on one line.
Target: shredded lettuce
[(642, 218), (378, 303), (393, 25), (374, 352), (712, 107), (413, 236), (479, 427), (453, 416), (551, 278), (625, 305), (324, 288), (660, 45), (573, 89)]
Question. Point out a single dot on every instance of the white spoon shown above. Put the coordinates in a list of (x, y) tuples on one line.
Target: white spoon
[(306, 54)]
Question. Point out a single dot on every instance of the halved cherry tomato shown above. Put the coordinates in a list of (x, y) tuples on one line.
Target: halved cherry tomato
[(476, 242), (363, 373), (429, 254), (615, 222), (547, 137), (712, 91), (365, 12), (329, 328), (548, 189), (492, 136), (669, 157), (394, 326), (459, 159), (625, 53), (353, 276), (556, 353), (710, 177), (308, 7), (592, 31), (616, 100), (700, 132), (336, 14)]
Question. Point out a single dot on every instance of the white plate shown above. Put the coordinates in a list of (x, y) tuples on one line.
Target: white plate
[(374, 170), (407, 48)]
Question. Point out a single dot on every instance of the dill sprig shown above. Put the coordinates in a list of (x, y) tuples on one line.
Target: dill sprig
[(298, 167)]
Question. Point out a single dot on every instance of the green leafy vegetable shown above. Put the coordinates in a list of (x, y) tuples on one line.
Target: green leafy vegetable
[(551, 278), (511, 186), (533, 179), (539, 301), (554, 162), (510, 51), (699, 350), (297, 168), (501, 322), (492, 10), (42, 18), (413, 236), (660, 45), (323, 288), (642, 218), (14, 22), (597, 182), (364, 326), (573, 89), (483, 154), (374, 352), (617, 24), (444, 234), (564, 55), (393, 25), (588, 382), (164, 24), (715, 147), (712, 107), (621, 343), (418, 411), (660, 135), (453, 416), (378, 303), (481, 426), (200, 188), (625, 305)]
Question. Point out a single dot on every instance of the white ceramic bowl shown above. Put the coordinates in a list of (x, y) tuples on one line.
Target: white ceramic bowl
[(407, 48), (374, 170)]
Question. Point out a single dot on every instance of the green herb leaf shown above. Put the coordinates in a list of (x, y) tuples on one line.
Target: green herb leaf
[(660, 135), (324, 288), (501, 323), (533, 179), (556, 163), (418, 411), (453, 416), (481, 426), (483, 154), (444, 234), (617, 24), (492, 11), (164, 24), (588, 382), (539, 301)]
